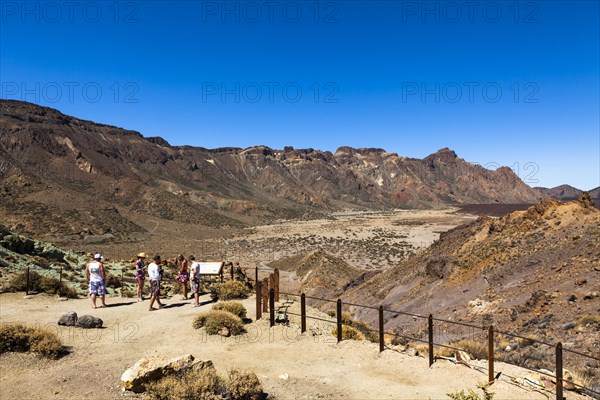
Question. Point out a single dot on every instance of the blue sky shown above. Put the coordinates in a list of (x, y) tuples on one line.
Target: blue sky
[(511, 83)]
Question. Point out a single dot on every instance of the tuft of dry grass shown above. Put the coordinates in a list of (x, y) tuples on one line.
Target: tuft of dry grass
[(212, 321), (234, 307), (23, 338), (40, 283), (243, 385), (588, 319), (349, 333), (232, 290)]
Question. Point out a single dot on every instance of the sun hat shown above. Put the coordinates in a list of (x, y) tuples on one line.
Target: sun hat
[(142, 255), (98, 256)]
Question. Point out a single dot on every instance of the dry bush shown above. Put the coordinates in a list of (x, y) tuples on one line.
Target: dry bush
[(40, 283), (477, 350), (588, 319), (214, 320), (23, 338), (232, 290), (234, 307), (349, 333), (487, 395), (365, 329), (203, 384), (206, 384), (112, 281), (243, 385)]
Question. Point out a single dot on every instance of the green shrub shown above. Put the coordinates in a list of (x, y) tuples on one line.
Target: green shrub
[(234, 307), (231, 290), (243, 385), (214, 320), (472, 395), (349, 333), (23, 338)]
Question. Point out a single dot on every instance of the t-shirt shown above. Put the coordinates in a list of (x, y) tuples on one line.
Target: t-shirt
[(139, 268), (195, 272), (95, 273), (154, 271)]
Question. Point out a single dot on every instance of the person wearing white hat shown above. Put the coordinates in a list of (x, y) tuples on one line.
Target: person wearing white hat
[(96, 277), (140, 275)]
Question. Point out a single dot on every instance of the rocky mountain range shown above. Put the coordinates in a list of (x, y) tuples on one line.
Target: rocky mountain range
[(63, 177), (567, 192)]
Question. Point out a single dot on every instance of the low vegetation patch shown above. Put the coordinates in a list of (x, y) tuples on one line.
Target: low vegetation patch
[(207, 384), (472, 395), (41, 283), (234, 307), (232, 290), (588, 319), (214, 320), (23, 338), (475, 349), (349, 333)]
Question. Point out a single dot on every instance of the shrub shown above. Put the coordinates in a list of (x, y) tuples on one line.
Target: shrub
[(472, 395), (349, 333), (231, 290), (23, 338), (214, 320), (234, 307), (206, 384), (588, 319), (40, 283), (243, 385), (113, 281)]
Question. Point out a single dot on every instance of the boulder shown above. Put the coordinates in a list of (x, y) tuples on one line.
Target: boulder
[(68, 319), (88, 322), (150, 369)]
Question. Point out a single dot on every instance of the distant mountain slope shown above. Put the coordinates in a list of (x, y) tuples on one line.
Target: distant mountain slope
[(59, 175), (534, 271), (562, 192)]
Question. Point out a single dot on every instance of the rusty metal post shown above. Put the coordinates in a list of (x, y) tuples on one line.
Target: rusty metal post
[(122, 286), (339, 320), (381, 340), (430, 328), (303, 313), (232, 276), (272, 281), (491, 354), (276, 286), (265, 294), (256, 275), (272, 306), (27, 283), (60, 282), (559, 372), (258, 300)]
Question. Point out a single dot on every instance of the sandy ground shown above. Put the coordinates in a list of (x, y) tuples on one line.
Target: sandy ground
[(317, 366)]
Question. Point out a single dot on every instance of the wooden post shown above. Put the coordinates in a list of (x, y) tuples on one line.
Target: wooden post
[(258, 300), (339, 320), (303, 313), (491, 354), (272, 306), (276, 287), (381, 340), (559, 372), (27, 283), (430, 328), (265, 294)]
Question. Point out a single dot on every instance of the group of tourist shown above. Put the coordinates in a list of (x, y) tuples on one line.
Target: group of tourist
[(96, 277)]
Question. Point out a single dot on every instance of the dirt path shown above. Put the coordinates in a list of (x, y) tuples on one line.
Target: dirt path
[(317, 366)]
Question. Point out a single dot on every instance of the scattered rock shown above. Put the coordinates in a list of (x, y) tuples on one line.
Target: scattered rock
[(572, 298), (88, 322), (591, 295), (569, 325), (462, 357), (511, 347), (580, 282), (150, 369), (224, 331), (68, 319), (411, 351), (284, 376)]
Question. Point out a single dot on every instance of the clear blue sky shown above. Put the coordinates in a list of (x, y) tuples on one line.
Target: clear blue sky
[(500, 82)]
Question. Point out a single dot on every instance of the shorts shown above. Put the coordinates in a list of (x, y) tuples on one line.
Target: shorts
[(154, 288), (183, 278), (195, 286), (97, 288), (140, 278)]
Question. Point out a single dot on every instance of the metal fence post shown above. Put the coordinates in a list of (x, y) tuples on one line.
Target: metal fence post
[(60, 282), (272, 306), (276, 286), (232, 276), (27, 283), (258, 300), (256, 274), (559, 372), (381, 342), (303, 313), (430, 326), (122, 285), (339, 320), (491, 354)]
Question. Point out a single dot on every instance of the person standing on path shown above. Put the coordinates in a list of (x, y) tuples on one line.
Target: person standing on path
[(96, 276), (195, 280), (154, 273), (140, 275), (184, 275)]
